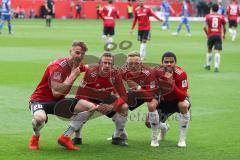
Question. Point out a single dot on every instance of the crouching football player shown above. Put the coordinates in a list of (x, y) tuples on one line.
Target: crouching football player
[(175, 101), (56, 83), (101, 77)]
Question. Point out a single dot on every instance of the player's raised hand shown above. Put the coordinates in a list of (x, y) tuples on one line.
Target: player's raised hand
[(169, 72), (75, 72)]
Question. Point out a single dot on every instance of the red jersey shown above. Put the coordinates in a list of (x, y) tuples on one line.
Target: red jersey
[(142, 14), (179, 91), (109, 13), (110, 84), (57, 71), (143, 78), (214, 22), (233, 11)]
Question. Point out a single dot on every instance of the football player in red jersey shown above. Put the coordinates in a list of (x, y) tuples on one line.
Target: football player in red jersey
[(142, 80), (55, 84), (109, 13), (175, 101), (98, 78), (214, 24), (142, 14), (233, 11)]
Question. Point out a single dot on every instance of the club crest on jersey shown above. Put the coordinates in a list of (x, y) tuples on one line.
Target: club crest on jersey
[(184, 83), (57, 75), (93, 74), (152, 84)]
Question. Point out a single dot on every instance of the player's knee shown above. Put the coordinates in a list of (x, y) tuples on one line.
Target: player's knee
[(40, 117), (84, 105), (152, 105), (124, 109), (183, 106)]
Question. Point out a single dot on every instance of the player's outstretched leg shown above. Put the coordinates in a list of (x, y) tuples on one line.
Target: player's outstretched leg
[(84, 110), (75, 124), (38, 122)]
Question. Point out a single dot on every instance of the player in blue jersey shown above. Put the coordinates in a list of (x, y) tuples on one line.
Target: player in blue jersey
[(6, 15), (166, 9), (221, 9), (184, 18)]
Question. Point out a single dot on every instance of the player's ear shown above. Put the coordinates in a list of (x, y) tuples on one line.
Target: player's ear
[(112, 61)]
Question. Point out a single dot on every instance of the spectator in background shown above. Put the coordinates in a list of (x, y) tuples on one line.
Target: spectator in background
[(31, 13), (98, 8), (17, 11), (200, 8), (130, 10), (21, 13), (50, 11), (78, 9)]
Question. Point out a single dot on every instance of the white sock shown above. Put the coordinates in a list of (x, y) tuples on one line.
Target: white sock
[(143, 50), (109, 42), (183, 124), (163, 126), (119, 121), (77, 122), (154, 122), (104, 37), (234, 34), (78, 133), (230, 31), (217, 60), (208, 59), (37, 127)]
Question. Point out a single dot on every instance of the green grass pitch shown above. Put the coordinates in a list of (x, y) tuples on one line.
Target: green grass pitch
[(214, 128)]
